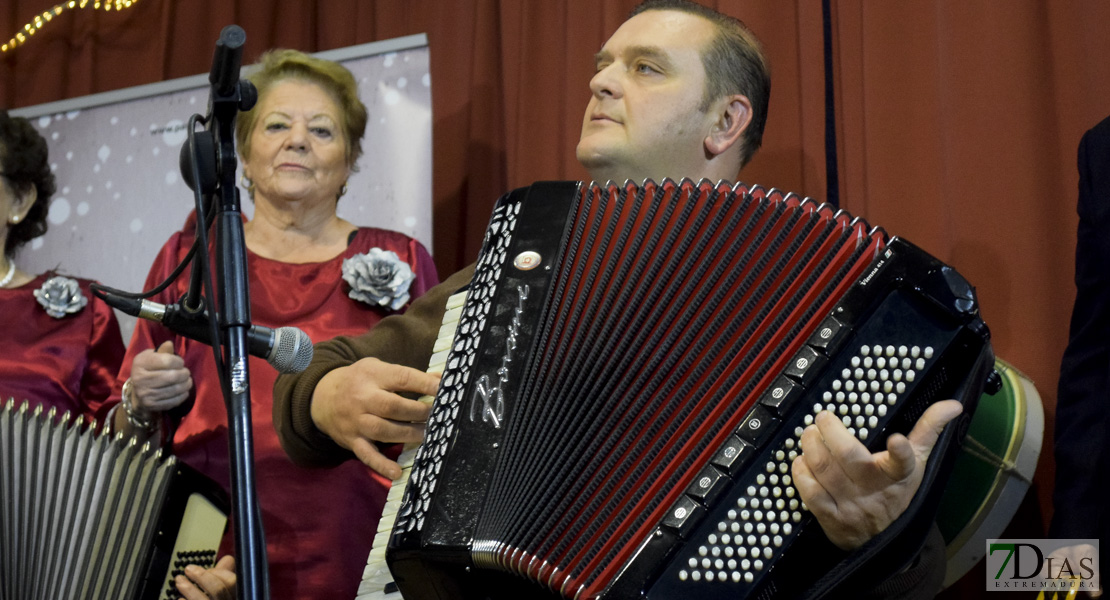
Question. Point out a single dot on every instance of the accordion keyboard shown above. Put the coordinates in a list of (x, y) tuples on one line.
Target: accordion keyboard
[(377, 581)]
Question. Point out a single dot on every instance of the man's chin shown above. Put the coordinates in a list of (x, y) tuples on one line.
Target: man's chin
[(596, 160)]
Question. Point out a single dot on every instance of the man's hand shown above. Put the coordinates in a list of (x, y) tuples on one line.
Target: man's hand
[(360, 404), (855, 494), (217, 583)]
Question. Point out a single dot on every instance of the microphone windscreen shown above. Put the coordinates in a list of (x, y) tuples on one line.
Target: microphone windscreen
[(292, 350)]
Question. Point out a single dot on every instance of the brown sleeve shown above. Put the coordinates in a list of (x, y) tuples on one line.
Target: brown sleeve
[(404, 339)]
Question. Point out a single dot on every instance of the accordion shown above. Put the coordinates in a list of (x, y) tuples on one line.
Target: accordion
[(91, 516), (631, 373)]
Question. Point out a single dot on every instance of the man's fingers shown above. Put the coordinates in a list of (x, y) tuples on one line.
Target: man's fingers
[(395, 408), (373, 427), (361, 404), (928, 428), (900, 460), (398, 378), (844, 447), (825, 465), (905, 455), (811, 491), (368, 453)]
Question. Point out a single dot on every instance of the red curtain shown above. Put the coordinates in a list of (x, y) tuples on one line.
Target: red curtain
[(957, 122)]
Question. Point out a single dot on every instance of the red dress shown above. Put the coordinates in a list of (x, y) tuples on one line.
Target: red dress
[(69, 362), (319, 523)]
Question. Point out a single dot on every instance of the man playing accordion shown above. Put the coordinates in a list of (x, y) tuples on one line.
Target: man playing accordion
[(680, 91)]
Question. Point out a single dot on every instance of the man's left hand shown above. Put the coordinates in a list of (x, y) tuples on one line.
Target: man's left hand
[(853, 493)]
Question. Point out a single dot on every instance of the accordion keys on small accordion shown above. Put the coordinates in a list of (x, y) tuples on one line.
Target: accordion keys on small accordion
[(92, 516)]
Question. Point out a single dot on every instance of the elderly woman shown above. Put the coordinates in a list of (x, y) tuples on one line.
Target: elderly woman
[(308, 268), (62, 345)]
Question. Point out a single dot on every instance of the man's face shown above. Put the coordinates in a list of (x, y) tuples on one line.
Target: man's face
[(643, 119)]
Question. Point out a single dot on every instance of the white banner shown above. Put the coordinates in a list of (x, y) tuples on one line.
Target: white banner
[(120, 192)]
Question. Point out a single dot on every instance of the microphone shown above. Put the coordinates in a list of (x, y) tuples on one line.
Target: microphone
[(224, 75), (288, 349)]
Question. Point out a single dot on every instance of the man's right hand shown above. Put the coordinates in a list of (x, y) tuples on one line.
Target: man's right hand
[(360, 405)]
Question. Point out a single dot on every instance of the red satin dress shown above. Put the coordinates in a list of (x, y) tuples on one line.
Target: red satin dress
[(319, 523), (69, 362)]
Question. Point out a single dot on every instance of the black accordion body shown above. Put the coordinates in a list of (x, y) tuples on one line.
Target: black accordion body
[(91, 516), (632, 371)]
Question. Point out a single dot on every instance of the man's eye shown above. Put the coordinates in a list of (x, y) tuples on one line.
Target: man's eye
[(646, 68)]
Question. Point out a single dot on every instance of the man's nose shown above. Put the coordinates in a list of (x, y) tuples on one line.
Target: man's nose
[(606, 82)]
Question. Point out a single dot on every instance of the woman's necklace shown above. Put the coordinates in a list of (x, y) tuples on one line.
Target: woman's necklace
[(10, 274)]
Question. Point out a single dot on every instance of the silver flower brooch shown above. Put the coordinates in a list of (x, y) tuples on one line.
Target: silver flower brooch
[(379, 278), (61, 296)]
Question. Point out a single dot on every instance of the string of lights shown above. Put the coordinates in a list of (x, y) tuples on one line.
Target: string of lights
[(39, 21)]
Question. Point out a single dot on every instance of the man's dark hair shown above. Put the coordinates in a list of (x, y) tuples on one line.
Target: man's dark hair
[(24, 164), (734, 64)]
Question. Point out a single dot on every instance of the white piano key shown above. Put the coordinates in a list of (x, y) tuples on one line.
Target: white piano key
[(376, 574)]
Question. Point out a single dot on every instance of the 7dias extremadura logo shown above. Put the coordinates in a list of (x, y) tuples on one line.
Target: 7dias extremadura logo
[(1042, 565)]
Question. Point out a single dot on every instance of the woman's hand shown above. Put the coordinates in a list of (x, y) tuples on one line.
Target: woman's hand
[(217, 583), (159, 380)]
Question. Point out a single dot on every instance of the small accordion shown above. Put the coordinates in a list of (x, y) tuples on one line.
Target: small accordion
[(632, 370), (93, 516)]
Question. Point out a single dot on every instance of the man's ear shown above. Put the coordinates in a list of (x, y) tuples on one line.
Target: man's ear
[(734, 114)]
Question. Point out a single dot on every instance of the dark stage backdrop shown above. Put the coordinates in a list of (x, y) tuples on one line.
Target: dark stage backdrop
[(957, 121)]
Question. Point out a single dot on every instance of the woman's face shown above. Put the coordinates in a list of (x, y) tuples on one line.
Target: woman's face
[(298, 150)]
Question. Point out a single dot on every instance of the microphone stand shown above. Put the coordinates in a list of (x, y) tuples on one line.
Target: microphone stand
[(228, 96)]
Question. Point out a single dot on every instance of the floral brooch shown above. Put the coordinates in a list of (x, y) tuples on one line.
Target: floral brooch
[(378, 278), (61, 296)]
